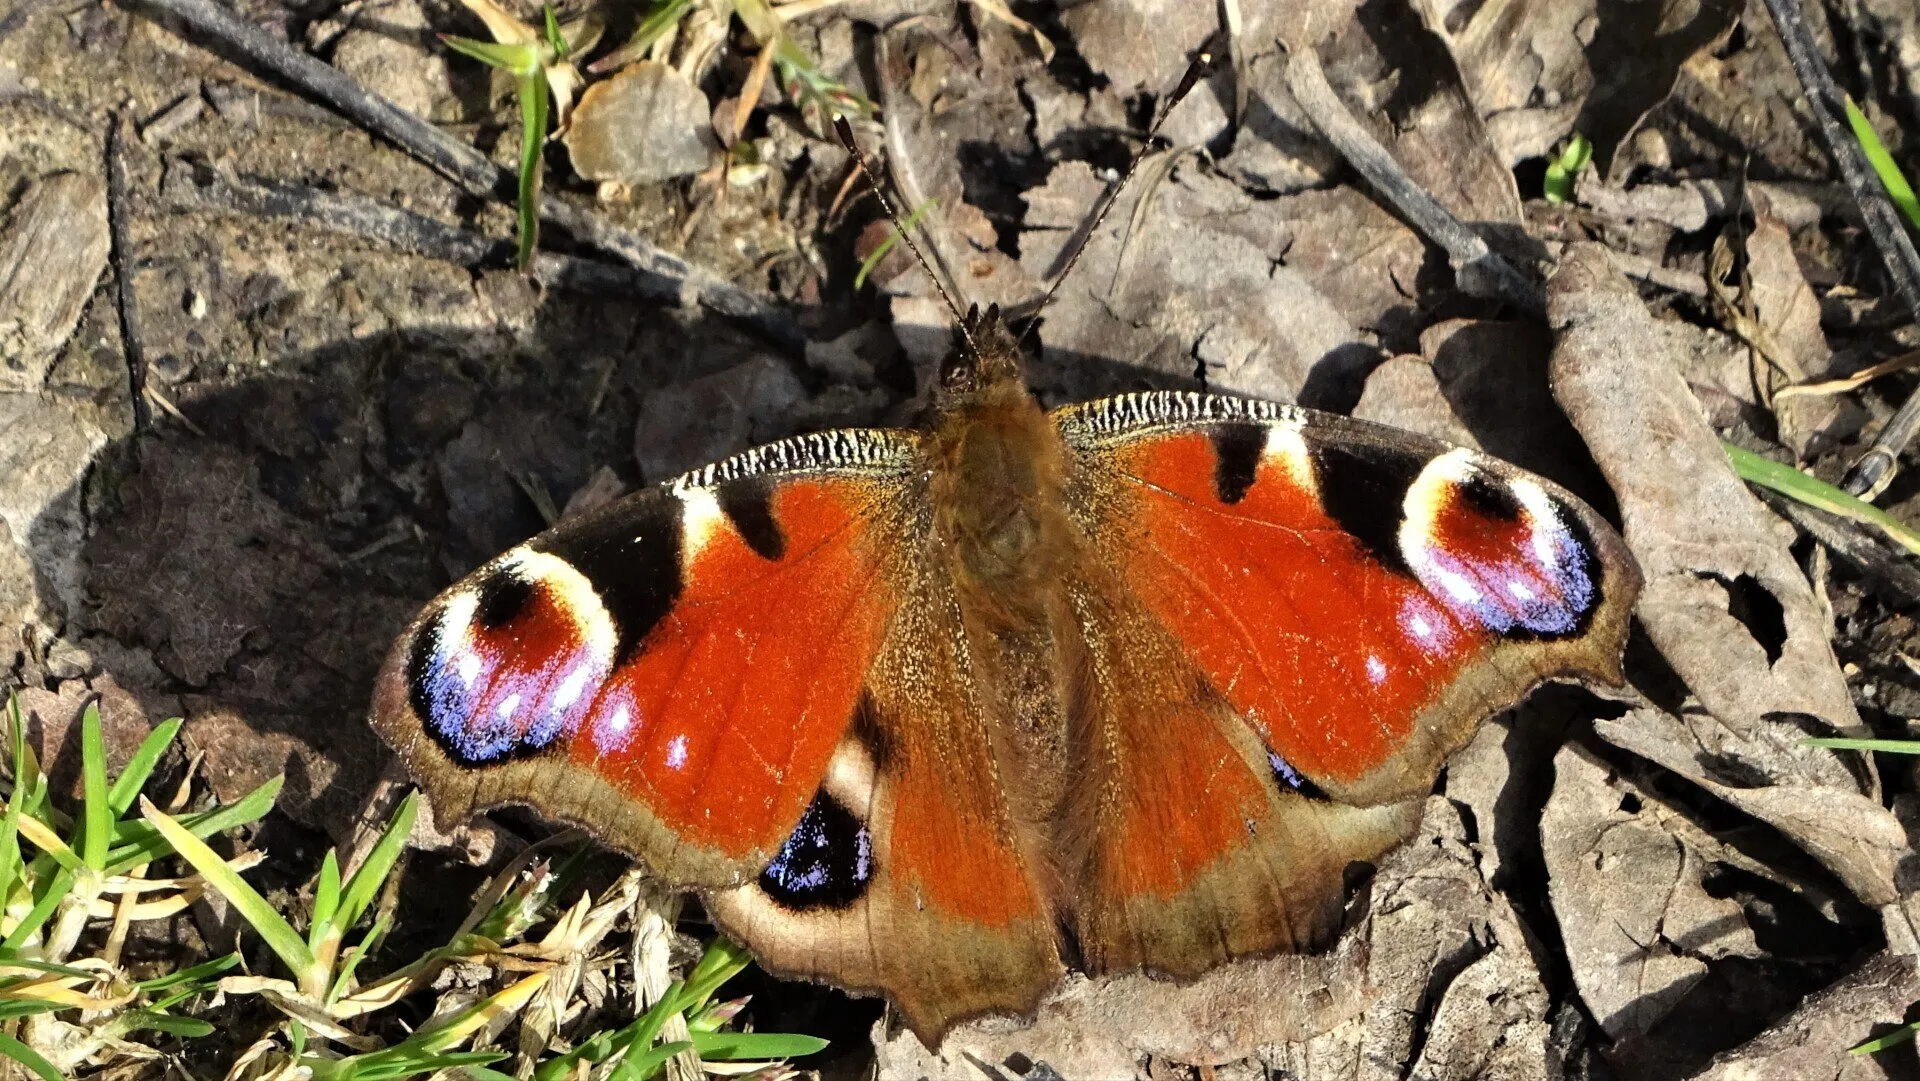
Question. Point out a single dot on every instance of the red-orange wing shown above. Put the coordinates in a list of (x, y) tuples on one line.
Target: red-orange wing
[(1292, 618), (672, 671), (757, 680), (911, 876)]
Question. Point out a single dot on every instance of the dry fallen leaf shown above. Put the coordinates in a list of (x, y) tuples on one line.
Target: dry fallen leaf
[(1628, 895), (1812, 1042), (1524, 65), (1197, 280), (1455, 994), (1787, 335), (1724, 602)]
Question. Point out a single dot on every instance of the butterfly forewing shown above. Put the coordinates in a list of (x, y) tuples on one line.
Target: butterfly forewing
[(1361, 596), (673, 671)]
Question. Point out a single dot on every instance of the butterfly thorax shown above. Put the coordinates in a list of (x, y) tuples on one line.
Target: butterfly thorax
[(998, 471)]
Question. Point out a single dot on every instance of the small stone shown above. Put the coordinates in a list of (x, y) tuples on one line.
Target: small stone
[(170, 368), (644, 125), (386, 52), (196, 304)]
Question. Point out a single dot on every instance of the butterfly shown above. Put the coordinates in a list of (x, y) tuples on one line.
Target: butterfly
[(941, 713)]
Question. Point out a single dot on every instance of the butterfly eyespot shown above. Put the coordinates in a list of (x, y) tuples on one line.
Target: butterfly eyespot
[(1291, 780), (1500, 554), (825, 863)]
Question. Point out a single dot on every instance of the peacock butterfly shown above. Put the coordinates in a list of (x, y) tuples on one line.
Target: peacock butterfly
[(938, 713)]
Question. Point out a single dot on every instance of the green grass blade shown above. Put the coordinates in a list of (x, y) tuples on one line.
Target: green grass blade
[(519, 60), (278, 934), (11, 864), (27, 1008), (1898, 1036), (28, 780), (735, 1046), (634, 1037), (326, 899), (642, 1066), (28, 1057), (665, 16), (36, 918), (893, 237), (140, 766), (356, 955), (1897, 187), (366, 881), (1818, 494), (97, 832), (533, 137), (723, 960), (49, 967), (191, 1028), (141, 843)]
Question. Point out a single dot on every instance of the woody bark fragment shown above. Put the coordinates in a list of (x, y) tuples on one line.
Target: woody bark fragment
[(1709, 550)]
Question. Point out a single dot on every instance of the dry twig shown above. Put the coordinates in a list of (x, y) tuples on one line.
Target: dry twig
[(1479, 270), (123, 265)]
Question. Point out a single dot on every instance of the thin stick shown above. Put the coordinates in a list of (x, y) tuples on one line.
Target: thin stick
[(1871, 474), (197, 188), (1478, 269), (845, 131), (208, 25), (1202, 66), (123, 266)]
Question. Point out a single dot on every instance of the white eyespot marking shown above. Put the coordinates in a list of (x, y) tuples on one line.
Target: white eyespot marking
[(612, 731), (850, 776), (1494, 548), (1427, 623), (1457, 586), (572, 686), (1287, 449), (1544, 517), (700, 518), (509, 705), (676, 752), (1376, 670), (453, 636)]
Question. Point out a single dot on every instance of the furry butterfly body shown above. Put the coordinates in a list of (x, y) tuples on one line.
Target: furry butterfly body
[(940, 713)]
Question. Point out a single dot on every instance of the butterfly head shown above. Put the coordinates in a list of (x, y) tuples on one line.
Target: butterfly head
[(985, 358)]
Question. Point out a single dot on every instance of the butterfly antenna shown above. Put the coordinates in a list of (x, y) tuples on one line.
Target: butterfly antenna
[(845, 131), (1202, 66)]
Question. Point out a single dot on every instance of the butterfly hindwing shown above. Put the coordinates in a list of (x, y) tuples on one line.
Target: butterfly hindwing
[(918, 882), (1193, 845), (674, 670)]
